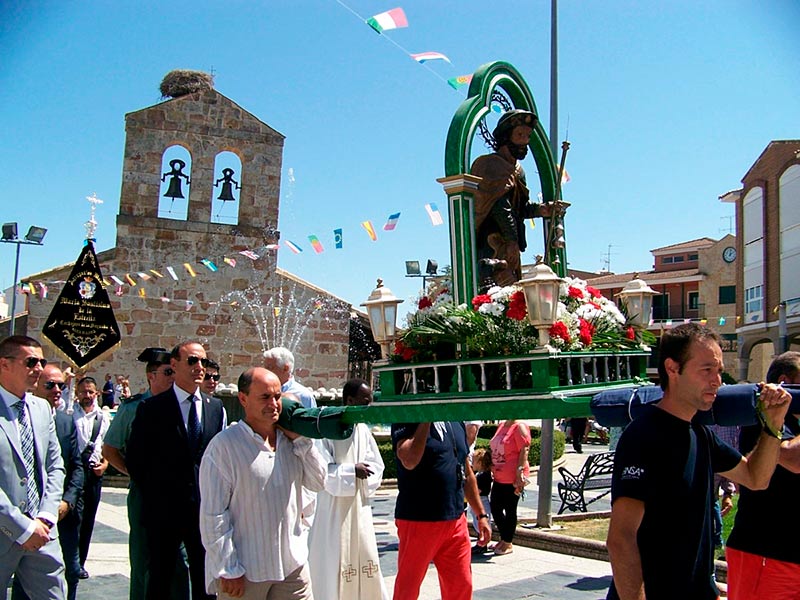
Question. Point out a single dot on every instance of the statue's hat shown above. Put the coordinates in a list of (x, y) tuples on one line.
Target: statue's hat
[(513, 118)]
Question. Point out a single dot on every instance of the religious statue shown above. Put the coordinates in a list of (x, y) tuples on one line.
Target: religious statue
[(502, 201), (175, 174)]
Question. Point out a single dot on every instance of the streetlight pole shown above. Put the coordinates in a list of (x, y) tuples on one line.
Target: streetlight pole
[(34, 237)]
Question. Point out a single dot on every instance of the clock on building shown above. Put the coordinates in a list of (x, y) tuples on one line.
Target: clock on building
[(729, 254)]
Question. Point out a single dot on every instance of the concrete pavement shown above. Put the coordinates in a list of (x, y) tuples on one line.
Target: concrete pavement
[(526, 573)]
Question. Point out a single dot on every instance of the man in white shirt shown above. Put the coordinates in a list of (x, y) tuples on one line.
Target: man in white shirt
[(251, 480), (91, 424)]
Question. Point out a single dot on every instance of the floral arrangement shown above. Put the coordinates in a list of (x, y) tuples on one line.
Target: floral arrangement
[(496, 324)]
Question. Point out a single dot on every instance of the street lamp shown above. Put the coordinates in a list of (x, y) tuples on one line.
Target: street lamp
[(34, 237), (638, 297), (541, 298), (382, 312)]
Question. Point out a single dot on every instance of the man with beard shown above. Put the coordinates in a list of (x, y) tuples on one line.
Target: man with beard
[(502, 202)]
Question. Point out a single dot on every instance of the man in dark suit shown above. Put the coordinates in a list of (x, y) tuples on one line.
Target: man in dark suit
[(168, 438), (50, 385), (31, 476)]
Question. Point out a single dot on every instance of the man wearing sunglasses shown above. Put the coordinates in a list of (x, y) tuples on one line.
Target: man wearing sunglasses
[(160, 378), (50, 386), (31, 475), (211, 379), (168, 438)]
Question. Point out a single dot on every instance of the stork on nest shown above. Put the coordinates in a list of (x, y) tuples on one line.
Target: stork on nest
[(181, 82)]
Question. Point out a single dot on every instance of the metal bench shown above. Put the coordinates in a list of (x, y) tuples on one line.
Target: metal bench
[(594, 475)]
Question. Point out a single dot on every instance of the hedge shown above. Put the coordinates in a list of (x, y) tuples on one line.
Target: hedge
[(534, 453)]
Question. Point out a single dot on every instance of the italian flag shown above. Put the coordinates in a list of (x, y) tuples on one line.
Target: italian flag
[(391, 19)]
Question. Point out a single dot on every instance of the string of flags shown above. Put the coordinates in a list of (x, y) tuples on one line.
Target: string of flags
[(396, 19)]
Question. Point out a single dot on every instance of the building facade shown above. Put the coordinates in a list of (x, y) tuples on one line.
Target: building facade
[(178, 274), (768, 240)]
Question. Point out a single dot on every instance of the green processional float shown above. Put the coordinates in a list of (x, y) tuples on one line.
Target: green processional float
[(493, 343)]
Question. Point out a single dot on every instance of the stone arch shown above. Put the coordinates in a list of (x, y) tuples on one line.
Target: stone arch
[(751, 350), (175, 177)]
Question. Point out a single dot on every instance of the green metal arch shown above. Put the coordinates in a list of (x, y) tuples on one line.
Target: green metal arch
[(465, 122)]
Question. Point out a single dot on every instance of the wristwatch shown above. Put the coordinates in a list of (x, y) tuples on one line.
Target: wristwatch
[(483, 516)]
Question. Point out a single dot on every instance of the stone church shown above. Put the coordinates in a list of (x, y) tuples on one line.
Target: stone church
[(161, 289)]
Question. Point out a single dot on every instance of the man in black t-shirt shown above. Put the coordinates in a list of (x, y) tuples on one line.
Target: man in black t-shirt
[(762, 564), (433, 477), (660, 535)]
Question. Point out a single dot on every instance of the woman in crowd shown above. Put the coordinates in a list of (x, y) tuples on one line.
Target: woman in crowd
[(510, 470)]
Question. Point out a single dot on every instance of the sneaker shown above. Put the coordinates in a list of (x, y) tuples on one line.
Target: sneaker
[(479, 550)]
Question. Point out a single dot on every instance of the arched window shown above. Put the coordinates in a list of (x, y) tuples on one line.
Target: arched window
[(173, 197), (226, 189)]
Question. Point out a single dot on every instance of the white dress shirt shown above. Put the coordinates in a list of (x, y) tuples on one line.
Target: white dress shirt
[(186, 404), (251, 504), (84, 423)]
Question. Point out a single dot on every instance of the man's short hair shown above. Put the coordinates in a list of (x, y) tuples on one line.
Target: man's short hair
[(786, 364), (212, 364), (176, 351), (245, 380), (351, 388), (9, 347), (282, 357), (87, 379), (675, 344)]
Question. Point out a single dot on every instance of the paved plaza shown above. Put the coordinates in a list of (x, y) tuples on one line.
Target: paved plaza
[(527, 573)]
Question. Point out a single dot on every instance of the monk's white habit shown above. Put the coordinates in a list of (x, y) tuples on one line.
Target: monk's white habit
[(343, 553)]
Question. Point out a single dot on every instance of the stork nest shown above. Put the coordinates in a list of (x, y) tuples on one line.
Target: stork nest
[(181, 82)]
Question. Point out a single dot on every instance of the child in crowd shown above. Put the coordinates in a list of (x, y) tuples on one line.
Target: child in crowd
[(482, 465)]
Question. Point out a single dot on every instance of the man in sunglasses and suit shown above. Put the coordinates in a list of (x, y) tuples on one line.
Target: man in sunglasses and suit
[(50, 385), (168, 438), (31, 476), (160, 378)]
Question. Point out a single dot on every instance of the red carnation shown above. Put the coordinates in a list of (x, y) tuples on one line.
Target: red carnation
[(574, 292), (559, 330), (585, 332), (403, 351), (595, 293), (424, 302), (517, 308), (480, 300), (630, 333)]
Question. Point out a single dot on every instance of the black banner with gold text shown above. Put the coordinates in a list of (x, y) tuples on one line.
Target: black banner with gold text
[(82, 323)]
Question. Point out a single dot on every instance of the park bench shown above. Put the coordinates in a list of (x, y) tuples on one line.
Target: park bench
[(594, 475)]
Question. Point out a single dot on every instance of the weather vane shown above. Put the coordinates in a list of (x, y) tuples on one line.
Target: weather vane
[(91, 224)]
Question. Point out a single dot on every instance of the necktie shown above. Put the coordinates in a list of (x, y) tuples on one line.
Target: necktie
[(26, 439), (193, 425)]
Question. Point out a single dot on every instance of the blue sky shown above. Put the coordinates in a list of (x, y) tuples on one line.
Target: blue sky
[(666, 105)]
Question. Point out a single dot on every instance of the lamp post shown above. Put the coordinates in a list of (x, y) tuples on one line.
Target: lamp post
[(638, 297), (34, 237), (541, 298), (382, 312)]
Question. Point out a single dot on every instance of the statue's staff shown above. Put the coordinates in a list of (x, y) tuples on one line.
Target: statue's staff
[(559, 208)]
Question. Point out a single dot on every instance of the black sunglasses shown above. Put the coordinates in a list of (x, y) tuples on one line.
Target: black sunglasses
[(168, 372), (214, 376), (31, 361), (51, 384), (193, 360)]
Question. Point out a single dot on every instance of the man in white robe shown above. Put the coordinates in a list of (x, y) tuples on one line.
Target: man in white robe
[(343, 554)]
